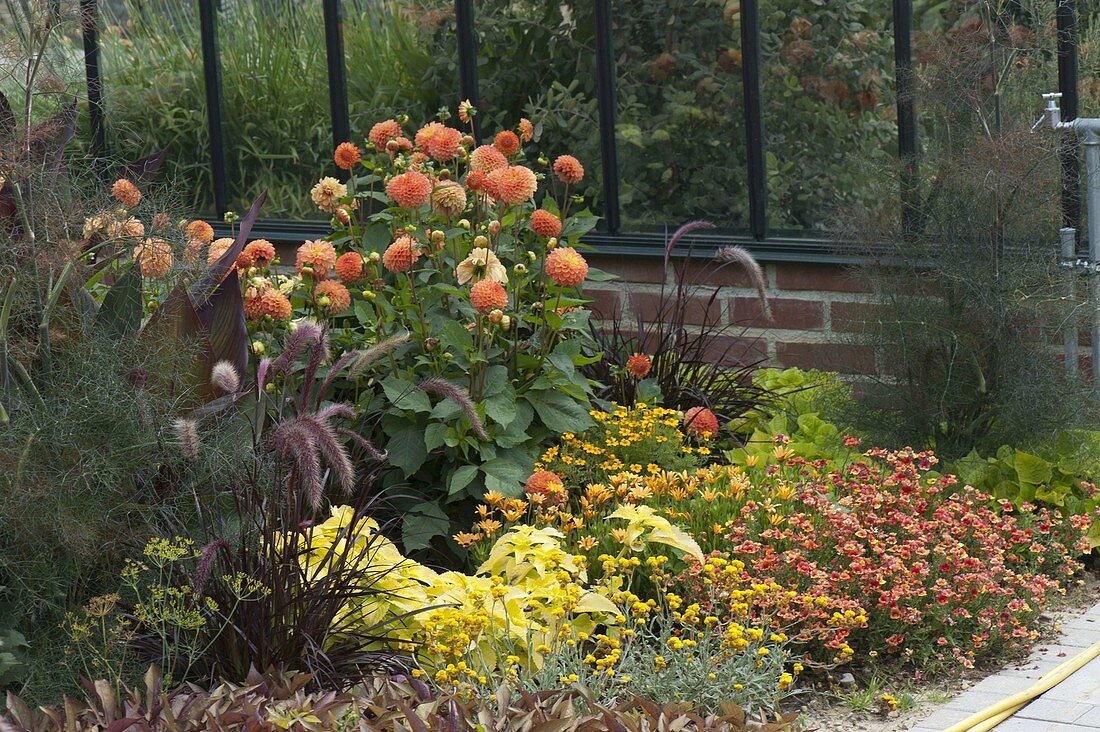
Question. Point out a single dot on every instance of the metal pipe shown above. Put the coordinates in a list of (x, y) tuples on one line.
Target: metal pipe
[(751, 64), (906, 107), (1092, 199), (89, 25), (606, 101), (1069, 273), (212, 77), (337, 76), (467, 56)]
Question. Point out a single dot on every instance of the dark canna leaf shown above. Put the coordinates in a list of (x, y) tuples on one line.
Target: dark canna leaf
[(144, 170), (202, 290), (223, 316), (121, 312)]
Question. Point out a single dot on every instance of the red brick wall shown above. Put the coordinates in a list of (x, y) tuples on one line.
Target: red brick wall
[(816, 308)]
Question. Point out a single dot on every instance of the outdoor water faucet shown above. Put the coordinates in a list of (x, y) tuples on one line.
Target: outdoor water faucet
[(1052, 113)]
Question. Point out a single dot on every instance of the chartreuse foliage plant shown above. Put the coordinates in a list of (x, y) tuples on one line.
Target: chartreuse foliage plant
[(457, 265)]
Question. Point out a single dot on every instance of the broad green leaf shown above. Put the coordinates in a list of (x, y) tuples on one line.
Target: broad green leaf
[(1032, 468), (558, 412), (460, 478), (401, 394), (422, 523), (407, 449), (120, 314)]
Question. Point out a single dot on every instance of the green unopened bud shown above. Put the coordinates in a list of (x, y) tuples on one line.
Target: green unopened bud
[(410, 228), (464, 224), (438, 236), (370, 294), (258, 348), (231, 217), (481, 241), (374, 257), (543, 160), (269, 388), (531, 256), (152, 305), (324, 301), (520, 268), (506, 322), (402, 119)]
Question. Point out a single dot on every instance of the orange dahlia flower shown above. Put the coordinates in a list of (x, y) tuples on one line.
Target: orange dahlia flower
[(332, 297), (383, 132), (347, 155), (566, 266), (526, 130), (514, 184), (319, 255), (486, 159), (545, 223), (349, 267), (401, 255), (126, 193), (154, 256), (258, 253), (639, 365), (268, 302), (507, 142), (327, 194), (199, 231), (701, 423), (410, 190), (568, 169), (440, 142), (448, 198), (486, 295), (548, 487)]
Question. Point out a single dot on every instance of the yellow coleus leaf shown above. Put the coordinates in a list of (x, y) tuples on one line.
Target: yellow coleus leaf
[(644, 526)]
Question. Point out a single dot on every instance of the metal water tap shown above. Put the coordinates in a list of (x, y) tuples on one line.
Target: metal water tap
[(1052, 113)]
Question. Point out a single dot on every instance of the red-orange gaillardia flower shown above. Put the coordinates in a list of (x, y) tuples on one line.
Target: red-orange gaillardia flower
[(347, 155), (549, 486), (268, 302), (319, 256), (526, 130), (383, 132), (486, 295), (401, 255), (442, 143), (507, 142), (486, 159), (700, 422), (566, 267), (199, 231), (545, 223), (126, 193), (410, 190), (639, 365), (569, 169), (154, 256), (514, 184), (257, 253), (332, 297), (349, 267)]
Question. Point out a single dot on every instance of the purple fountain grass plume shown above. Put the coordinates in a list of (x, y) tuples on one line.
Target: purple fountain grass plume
[(364, 443), (187, 434), (741, 256), (335, 454), (224, 377), (459, 396), (681, 232), (261, 375), (296, 340), (333, 372), (206, 563), (375, 352), (318, 354), (296, 443)]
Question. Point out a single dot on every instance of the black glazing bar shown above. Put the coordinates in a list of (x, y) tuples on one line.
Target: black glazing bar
[(89, 26), (337, 72), (605, 93), (907, 115), (754, 118), (1066, 21), (211, 69), (467, 55)]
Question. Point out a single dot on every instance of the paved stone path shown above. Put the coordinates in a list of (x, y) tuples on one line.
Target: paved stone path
[(1072, 706)]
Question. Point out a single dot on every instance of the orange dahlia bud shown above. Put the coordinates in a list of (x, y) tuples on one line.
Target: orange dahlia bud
[(199, 231), (466, 111), (514, 184), (332, 296), (507, 142), (546, 488), (258, 253), (154, 256), (639, 365), (347, 155), (440, 142), (486, 159), (526, 130), (700, 422), (349, 267), (383, 132), (126, 193), (269, 302), (568, 169), (545, 223), (343, 215), (566, 267), (319, 256), (448, 199), (487, 295), (410, 190), (401, 255)]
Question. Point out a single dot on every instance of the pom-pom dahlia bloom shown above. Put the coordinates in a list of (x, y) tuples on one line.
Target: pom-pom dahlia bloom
[(401, 255), (126, 193), (513, 185), (566, 267), (349, 267), (327, 194), (545, 223), (701, 423), (154, 256), (332, 297), (487, 295), (319, 256), (410, 190), (568, 169)]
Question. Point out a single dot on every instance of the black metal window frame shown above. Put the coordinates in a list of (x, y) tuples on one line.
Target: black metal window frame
[(610, 237)]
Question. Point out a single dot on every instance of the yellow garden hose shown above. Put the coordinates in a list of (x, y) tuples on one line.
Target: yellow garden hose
[(990, 717)]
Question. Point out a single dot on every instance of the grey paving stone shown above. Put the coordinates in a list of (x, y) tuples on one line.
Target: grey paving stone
[(1017, 724), (944, 717), (1056, 710)]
